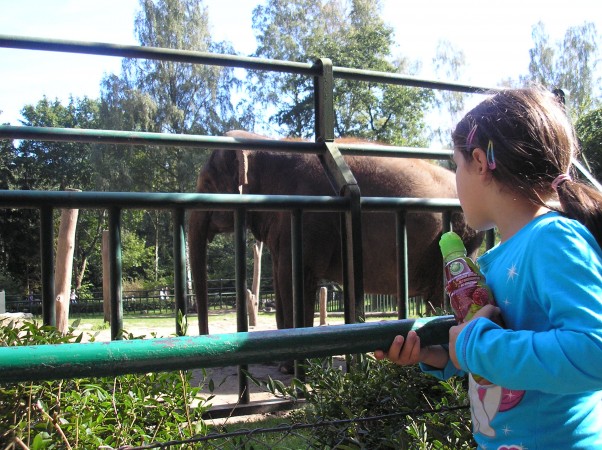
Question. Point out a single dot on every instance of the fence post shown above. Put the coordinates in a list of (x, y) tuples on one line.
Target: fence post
[(240, 241), (179, 261), (115, 273), (323, 305), (47, 259), (344, 184), (106, 277), (402, 265)]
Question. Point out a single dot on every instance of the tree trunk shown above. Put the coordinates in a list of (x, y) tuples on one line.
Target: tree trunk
[(106, 298), (64, 267), (253, 296), (252, 307), (80, 275), (323, 303)]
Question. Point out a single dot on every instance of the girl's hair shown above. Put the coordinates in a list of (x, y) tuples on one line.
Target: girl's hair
[(530, 142)]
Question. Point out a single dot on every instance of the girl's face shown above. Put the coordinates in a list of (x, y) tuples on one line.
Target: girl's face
[(470, 191)]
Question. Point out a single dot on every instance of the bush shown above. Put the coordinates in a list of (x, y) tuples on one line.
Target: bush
[(407, 409), (91, 412)]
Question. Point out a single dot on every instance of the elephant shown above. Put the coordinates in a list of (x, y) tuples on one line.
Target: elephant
[(279, 173)]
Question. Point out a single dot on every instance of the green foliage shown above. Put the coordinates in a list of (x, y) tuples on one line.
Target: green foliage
[(589, 130), (57, 165), (411, 407), (87, 413), (137, 259), (40, 165), (568, 64), (351, 34)]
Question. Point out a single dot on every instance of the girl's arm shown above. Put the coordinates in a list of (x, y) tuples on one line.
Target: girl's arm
[(561, 351)]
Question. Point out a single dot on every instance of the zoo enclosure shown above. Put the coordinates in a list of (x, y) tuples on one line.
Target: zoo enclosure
[(347, 201), (331, 155)]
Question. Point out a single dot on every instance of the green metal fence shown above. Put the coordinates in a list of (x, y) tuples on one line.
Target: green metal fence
[(347, 201)]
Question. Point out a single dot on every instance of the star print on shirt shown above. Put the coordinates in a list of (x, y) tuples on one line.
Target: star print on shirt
[(512, 273)]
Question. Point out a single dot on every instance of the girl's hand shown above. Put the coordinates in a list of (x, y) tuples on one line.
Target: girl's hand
[(403, 351), (488, 311)]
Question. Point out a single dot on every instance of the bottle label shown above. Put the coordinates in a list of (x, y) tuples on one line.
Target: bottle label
[(466, 289)]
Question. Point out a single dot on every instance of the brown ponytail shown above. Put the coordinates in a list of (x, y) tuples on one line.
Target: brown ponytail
[(583, 203)]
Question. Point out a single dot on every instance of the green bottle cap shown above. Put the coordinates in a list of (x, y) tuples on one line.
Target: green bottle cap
[(450, 243)]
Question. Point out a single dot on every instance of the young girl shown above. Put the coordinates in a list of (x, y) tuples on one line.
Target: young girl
[(513, 154)]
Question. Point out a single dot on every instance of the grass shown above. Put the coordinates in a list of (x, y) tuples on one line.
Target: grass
[(151, 322)]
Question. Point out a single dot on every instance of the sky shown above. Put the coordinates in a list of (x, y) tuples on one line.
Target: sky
[(494, 35)]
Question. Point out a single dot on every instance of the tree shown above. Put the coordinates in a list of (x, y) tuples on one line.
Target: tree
[(169, 97), (569, 65), (165, 96), (41, 165), (448, 63), (57, 165), (9, 226), (589, 130), (351, 34)]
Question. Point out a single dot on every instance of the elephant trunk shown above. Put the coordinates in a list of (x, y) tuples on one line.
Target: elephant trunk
[(198, 239)]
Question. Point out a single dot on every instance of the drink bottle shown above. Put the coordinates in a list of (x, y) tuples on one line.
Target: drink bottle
[(464, 282)]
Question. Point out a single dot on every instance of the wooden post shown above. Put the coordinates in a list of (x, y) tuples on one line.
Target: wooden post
[(252, 307), (106, 292), (253, 295), (323, 310), (64, 266)]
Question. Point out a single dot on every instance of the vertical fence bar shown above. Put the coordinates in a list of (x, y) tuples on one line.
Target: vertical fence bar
[(324, 101), (115, 270), (47, 265), (446, 226), (489, 238), (179, 261), (297, 266), (356, 256), (298, 279), (348, 302), (240, 246), (345, 185), (402, 265)]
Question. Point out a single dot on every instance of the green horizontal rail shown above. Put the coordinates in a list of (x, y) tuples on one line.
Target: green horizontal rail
[(250, 202), (189, 140), (244, 62), (57, 134), (58, 361)]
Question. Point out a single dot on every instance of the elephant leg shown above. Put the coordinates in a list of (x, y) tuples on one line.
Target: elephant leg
[(310, 288), (277, 296)]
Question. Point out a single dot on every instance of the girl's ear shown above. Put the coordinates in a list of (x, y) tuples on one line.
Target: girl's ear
[(480, 158)]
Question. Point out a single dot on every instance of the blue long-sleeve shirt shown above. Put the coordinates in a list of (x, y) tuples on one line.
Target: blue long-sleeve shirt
[(546, 364)]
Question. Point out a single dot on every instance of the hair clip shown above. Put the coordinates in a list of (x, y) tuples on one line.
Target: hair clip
[(470, 136), (490, 156)]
